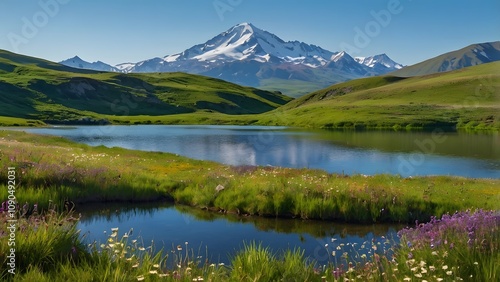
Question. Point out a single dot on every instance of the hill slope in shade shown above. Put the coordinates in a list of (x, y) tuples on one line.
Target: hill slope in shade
[(39, 89), (471, 55)]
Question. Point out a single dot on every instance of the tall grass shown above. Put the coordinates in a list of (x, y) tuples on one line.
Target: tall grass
[(461, 247), (42, 241), (257, 263), (50, 248)]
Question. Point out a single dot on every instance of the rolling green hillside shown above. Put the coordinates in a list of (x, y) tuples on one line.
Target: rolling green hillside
[(32, 88), (469, 97), (465, 99)]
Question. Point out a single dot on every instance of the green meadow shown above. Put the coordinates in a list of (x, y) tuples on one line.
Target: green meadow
[(467, 98), (52, 169)]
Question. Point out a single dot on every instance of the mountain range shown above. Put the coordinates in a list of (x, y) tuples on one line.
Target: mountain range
[(247, 55)]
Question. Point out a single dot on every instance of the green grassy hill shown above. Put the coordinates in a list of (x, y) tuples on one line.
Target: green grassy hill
[(469, 97), (32, 88), (466, 99)]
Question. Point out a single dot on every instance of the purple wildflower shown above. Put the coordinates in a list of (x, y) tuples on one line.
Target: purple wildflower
[(25, 208), (474, 226), (337, 273)]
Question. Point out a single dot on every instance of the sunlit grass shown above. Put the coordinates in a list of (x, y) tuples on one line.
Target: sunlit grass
[(14, 121), (41, 241)]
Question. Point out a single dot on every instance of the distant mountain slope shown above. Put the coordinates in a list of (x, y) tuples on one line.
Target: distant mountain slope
[(250, 56), (39, 89), (78, 63), (471, 55)]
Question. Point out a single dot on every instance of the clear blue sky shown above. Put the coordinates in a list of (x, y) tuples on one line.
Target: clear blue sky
[(117, 31)]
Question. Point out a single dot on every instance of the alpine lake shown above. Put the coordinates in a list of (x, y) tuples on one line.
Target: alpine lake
[(217, 237)]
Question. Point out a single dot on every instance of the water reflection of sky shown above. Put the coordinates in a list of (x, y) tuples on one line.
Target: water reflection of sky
[(277, 146), (224, 235)]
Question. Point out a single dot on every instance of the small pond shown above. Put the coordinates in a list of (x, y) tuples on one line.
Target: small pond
[(220, 236)]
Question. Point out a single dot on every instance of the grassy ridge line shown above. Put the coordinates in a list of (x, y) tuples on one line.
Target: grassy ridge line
[(449, 88), (453, 59), (54, 169)]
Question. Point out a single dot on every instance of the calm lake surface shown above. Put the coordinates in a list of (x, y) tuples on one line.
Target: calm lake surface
[(349, 152), (407, 154)]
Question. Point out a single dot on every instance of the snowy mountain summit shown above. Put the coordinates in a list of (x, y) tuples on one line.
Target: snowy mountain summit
[(379, 60), (247, 42), (248, 55), (242, 42)]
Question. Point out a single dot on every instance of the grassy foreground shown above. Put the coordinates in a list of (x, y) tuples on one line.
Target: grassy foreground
[(52, 169), (458, 247)]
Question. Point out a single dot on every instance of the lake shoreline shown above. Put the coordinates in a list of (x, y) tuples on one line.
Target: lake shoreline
[(242, 120), (335, 151)]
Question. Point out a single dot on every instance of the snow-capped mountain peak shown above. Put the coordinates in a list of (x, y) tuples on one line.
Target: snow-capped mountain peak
[(338, 56), (125, 67), (247, 42), (381, 60)]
